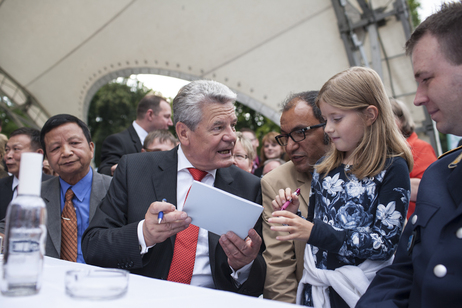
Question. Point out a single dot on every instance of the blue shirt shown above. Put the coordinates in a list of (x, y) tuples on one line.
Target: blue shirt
[(81, 200)]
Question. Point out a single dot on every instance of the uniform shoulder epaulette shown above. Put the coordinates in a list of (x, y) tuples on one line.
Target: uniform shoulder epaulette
[(450, 151), (454, 163)]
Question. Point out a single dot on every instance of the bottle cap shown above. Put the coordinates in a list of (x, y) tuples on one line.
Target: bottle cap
[(30, 174)]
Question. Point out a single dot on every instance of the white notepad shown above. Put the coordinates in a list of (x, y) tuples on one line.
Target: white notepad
[(219, 211)]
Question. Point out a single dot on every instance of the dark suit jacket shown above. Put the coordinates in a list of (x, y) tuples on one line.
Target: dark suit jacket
[(51, 196), (111, 239), (436, 227), (117, 145), (6, 194)]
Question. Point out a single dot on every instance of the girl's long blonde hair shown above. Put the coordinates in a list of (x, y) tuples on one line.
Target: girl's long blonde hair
[(355, 89)]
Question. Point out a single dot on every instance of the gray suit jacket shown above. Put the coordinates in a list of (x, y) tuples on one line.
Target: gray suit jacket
[(50, 194)]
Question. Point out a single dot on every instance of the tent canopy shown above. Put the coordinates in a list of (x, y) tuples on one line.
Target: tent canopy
[(55, 55)]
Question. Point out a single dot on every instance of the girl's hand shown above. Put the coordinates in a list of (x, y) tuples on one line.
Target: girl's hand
[(283, 196), (297, 227)]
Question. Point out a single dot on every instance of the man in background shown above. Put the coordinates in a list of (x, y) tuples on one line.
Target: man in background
[(22, 140), (153, 112), (159, 140), (302, 136)]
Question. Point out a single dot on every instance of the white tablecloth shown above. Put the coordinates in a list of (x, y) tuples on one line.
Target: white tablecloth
[(142, 292)]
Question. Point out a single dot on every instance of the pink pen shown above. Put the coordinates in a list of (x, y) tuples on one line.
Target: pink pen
[(297, 192)]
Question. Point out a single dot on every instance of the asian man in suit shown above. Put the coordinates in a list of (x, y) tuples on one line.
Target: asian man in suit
[(24, 139), (69, 149), (125, 232), (153, 112)]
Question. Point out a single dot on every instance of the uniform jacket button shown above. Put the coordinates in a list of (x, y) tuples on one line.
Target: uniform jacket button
[(459, 233), (440, 271), (414, 219)]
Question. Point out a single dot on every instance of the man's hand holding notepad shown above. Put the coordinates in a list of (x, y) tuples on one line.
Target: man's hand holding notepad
[(219, 212)]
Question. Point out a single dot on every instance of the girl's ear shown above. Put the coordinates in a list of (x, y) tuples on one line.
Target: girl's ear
[(371, 114)]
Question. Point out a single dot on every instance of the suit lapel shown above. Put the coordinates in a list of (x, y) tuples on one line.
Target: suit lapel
[(98, 192), (134, 136), (224, 181), (51, 196), (164, 181), (6, 195), (304, 183)]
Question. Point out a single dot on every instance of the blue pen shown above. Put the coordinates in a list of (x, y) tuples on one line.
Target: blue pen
[(161, 214)]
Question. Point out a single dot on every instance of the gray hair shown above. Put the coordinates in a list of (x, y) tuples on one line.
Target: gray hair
[(188, 103)]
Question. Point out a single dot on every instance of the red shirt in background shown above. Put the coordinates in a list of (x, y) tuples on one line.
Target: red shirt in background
[(424, 156)]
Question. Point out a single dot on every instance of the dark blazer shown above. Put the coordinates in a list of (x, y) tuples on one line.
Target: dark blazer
[(117, 145), (52, 198), (427, 270), (111, 240), (6, 194)]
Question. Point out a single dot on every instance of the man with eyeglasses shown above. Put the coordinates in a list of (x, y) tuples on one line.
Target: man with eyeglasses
[(302, 136)]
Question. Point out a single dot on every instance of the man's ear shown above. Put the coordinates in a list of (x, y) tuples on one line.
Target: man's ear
[(149, 115), (371, 114), (182, 131), (40, 151)]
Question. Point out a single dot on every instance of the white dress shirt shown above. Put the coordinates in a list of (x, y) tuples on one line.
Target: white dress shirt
[(140, 132), (202, 273), (14, 187)]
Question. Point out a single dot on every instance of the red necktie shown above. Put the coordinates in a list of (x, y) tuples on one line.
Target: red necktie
[(69, 229), (184, 252)]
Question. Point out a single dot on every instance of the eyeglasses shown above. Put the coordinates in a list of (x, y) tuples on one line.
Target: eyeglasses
[(240, 157), (297, 135)]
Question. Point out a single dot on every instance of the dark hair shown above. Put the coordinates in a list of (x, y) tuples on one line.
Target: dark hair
[(308, 97), (162, 134), (149, 102), (32, 133), (59, 120), (446, 26)]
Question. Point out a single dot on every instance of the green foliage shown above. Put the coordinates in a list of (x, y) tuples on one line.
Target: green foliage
[(112, 109), (8, 125), (249, 118), (413, 6)]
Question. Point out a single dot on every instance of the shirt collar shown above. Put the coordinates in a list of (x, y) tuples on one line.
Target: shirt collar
[(183, 163), (15, 182), (81, 188), (140, 132)]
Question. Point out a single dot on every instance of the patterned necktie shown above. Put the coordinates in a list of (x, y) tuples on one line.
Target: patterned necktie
[(184, 252), (69, 229)]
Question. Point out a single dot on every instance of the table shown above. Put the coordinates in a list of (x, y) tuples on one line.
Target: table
[(142, 292)]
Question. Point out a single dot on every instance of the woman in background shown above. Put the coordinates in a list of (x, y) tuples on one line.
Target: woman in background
[(422, 152), (243, 153), (270, 149)]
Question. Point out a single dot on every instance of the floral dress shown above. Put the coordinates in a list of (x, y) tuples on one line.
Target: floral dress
[(355, 220)]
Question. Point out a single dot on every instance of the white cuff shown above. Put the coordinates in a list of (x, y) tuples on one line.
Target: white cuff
[(242, 274), (143, 248)]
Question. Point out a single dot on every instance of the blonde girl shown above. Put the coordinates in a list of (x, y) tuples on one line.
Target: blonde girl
[(359, 193)]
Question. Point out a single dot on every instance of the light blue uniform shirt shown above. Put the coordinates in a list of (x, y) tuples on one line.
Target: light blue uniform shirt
[(81, 200)]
